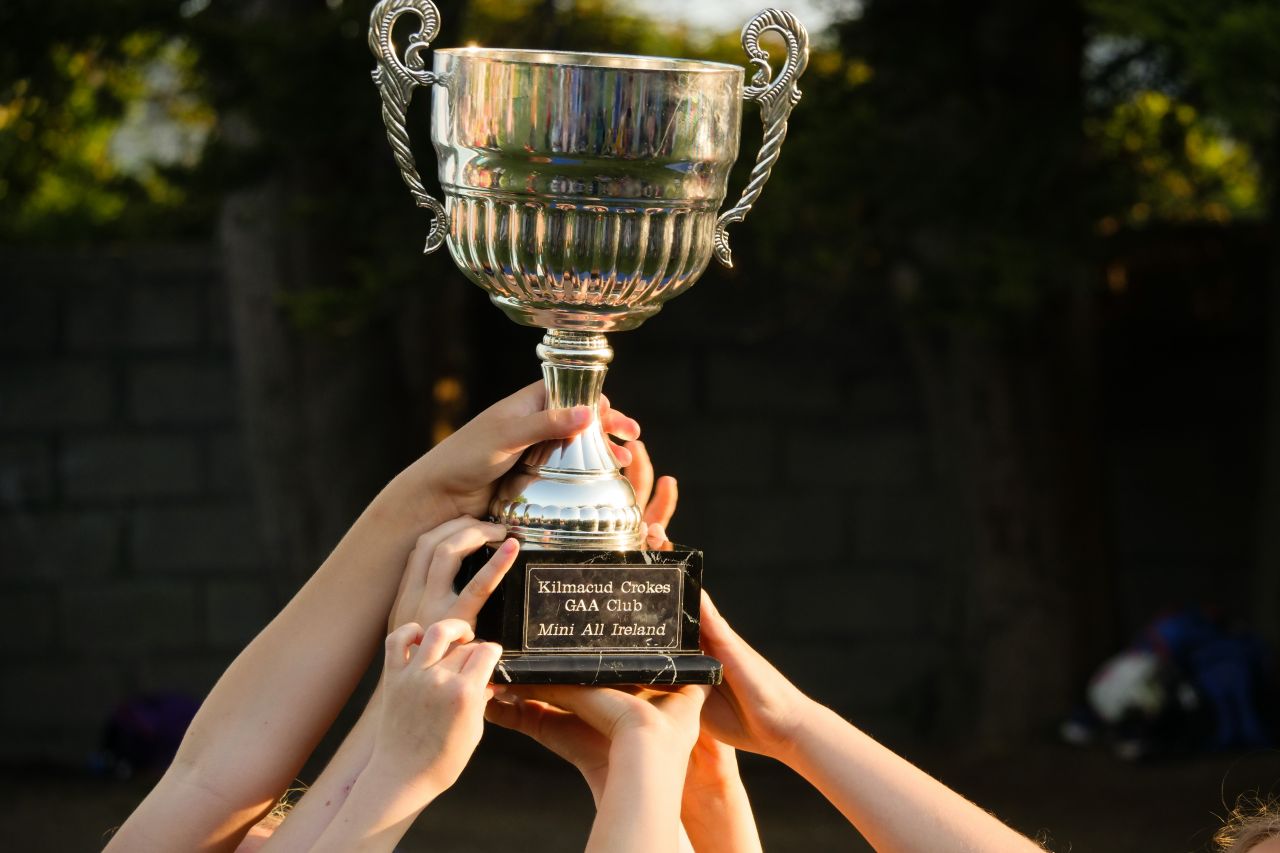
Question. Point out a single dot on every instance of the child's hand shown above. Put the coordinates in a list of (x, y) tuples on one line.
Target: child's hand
[(436, 684), (559, 731), (657, 501), (756, 708), (426, 593), (466, 465), (666, 716)]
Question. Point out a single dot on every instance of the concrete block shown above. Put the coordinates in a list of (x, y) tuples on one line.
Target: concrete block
[(651, 383), (237, 610), (192, 673), (98, 316), (229, 465), (772, 532), (26, 472), (218, 317), (132, 617), (182, 392), (885, 458), (55, 395), (59, 545), (68, 697), (207, 538), (866, 677), (131, 466), (138, 316), (890, 396), (772, 380), (851, 605), (897, 527), (28, 618), (715, 454), (167, 314), (28, 317)]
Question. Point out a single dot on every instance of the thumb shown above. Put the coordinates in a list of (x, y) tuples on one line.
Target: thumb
[(519, 433)]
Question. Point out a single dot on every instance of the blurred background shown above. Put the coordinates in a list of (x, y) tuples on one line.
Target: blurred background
[(981, 436)]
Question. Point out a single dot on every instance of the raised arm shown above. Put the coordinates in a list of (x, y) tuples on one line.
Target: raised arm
[(272, 705), (636, 767), (429, 723), (895, 805), (426, 596)]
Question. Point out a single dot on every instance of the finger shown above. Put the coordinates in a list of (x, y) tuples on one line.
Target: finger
[(479, 588), (713, 631), (416, 569), (456, 657), (616, 423), (439, 637), (478, 668), (448, 555), (518, 433), (719, 640), (398, 645), (529, 399), (662, 506), (655, 537), (640, 472), (621, 454), (598, 707)]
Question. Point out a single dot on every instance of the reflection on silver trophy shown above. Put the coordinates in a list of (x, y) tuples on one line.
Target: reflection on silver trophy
[(582, 191)]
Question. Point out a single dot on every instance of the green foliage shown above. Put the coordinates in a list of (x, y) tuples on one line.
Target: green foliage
[(78, 145), (1178, 165), (1222, 57), (1185, 111)]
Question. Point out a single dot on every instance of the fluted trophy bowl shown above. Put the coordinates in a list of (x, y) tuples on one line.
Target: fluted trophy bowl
[(582, 192), (582, 189)]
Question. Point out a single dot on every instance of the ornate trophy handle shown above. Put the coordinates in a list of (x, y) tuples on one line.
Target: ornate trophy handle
[(396, 81), (777, 98)]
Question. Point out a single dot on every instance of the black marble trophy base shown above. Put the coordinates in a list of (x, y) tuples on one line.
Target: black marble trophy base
[(597, 617)]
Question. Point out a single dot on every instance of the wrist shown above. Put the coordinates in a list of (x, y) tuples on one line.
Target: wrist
[(650, 750), (398, 779), (792, 744), (596, 778), (713, 781), (416, 497)]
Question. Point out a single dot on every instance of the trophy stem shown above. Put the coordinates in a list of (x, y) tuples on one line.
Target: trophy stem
[(574, 365), (571, 493)]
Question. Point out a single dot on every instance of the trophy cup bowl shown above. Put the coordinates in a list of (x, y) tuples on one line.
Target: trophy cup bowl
[(582, 191)]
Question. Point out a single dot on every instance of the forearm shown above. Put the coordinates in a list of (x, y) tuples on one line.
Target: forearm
[(640, 808), (895, 805), (375, 816), (307, 820), (716, 812), (268, 711)]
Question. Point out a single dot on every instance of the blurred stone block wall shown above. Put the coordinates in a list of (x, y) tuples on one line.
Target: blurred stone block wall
[(130, 557)]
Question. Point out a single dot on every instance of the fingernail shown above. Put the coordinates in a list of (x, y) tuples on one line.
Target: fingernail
[(508, 545)]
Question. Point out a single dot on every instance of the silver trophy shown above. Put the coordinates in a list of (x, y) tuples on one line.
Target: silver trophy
[(582, 191)]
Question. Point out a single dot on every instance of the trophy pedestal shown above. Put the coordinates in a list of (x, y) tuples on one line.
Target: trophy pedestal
[(597, 617)]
